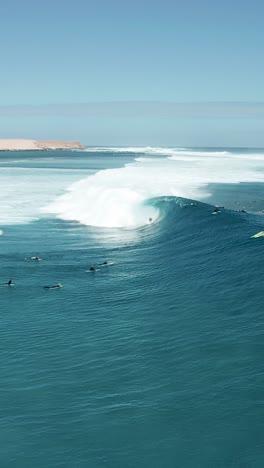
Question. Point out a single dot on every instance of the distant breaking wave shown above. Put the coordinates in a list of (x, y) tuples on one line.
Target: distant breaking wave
[(133, 149), (149, 150), (122, 197)]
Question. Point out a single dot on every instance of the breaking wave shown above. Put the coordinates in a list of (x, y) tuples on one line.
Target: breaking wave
[(133, 150), (122, 197)]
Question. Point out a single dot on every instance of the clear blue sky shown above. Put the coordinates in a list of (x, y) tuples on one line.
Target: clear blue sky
[(107, 55)]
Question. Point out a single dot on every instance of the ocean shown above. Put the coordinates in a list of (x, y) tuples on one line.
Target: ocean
[(155, 359)]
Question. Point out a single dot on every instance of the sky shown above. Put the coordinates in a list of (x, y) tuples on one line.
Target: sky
[(141, 72)]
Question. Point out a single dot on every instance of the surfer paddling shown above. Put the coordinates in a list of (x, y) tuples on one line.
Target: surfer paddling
[(56, 286), (9, 283)]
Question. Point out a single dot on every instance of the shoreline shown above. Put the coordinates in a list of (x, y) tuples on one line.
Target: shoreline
[(38, 145)]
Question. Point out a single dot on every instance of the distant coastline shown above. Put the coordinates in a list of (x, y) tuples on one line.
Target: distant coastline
[(37, 145)]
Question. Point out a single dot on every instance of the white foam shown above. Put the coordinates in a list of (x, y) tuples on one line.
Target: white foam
[(149, 150), (146, 160), (133, 149), (117, 197), (103, 200), (23, 191)]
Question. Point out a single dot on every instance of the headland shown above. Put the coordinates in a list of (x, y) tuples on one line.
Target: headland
[(35, 145)]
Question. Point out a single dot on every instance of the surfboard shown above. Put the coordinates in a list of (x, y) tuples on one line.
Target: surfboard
[(259, 234), (5, 284), (106, 264)]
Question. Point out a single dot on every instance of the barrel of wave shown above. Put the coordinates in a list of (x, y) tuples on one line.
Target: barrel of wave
[(102, 207)]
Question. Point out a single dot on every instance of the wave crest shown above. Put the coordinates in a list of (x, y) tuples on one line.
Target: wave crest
[(121, 197)]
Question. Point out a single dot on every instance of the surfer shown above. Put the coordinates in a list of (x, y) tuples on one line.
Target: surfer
[(92, 268), (9, 283), (57, 286), (105, 263), (37, 259), (216, 210), (150, 219)]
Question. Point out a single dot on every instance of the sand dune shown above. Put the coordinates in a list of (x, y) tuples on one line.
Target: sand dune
[(23, 144)]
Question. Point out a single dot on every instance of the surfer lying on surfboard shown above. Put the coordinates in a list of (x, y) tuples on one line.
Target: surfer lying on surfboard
[(56, 286), (105, 263)]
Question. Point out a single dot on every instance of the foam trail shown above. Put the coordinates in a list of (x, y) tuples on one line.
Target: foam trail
[(118, 197)]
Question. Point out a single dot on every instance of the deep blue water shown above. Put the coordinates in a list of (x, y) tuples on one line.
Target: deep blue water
[(153, 361)]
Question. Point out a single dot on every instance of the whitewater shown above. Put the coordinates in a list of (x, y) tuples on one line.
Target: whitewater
[(121, 197)]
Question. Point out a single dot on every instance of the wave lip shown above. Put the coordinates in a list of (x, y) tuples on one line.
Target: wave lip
[(119, 197), (104, 205)]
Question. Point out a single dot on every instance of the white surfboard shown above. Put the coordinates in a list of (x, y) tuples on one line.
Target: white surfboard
[(259, 234)]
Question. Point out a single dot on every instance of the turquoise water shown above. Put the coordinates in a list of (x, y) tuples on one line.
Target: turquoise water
[(155, 360)]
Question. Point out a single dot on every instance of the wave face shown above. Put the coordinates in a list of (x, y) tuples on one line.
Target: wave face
[(122, 197)]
